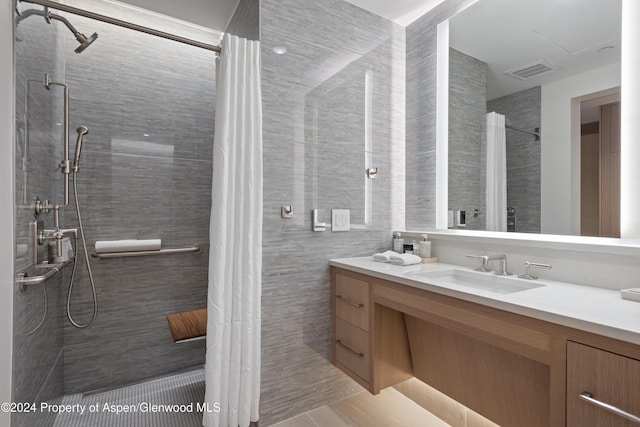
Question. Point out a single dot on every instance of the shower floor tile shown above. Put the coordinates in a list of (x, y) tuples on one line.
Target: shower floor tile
[(110, 406)]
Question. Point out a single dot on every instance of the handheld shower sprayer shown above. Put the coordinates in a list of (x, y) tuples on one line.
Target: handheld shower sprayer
[(82, 131)]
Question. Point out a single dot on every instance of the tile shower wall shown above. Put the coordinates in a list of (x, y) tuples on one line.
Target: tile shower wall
[(522, 110), (467, 136), (421, 114), (37, 353), (145, 173), (333, 105)]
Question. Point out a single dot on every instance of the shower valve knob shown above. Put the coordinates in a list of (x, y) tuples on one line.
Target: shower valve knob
[(39, 207)]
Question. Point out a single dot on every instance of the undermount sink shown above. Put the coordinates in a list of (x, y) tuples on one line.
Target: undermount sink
[(477, 280)]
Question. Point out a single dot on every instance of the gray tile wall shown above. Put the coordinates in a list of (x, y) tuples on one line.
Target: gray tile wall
[(126, 85), (421, 114), (37, 356), (245, 21), (130, 186), (467, 136), (315, 157), (522, 110)]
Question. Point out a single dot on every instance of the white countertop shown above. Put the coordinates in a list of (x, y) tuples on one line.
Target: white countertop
[(600, 311)]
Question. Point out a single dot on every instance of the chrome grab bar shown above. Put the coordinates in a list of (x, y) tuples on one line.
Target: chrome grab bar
[(588, 397), (355, 353), (348, 301), (52, 269), (194, 249)]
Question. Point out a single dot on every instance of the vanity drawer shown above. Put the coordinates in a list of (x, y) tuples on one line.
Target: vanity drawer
[(352, 301), (352, 349), (597, 376)]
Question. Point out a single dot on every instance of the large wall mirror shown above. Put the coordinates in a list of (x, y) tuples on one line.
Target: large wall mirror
[(548, 160)]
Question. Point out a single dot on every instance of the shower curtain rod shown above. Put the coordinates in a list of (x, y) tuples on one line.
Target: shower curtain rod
[(536, 133), (125, 24)]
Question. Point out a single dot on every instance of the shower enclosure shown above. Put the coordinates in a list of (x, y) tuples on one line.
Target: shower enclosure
[(146, 173)]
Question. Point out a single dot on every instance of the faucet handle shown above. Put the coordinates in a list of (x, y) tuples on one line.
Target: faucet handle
[(527, 267), (485, 261)]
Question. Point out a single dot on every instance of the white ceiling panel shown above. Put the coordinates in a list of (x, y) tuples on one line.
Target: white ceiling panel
[(403, 12)]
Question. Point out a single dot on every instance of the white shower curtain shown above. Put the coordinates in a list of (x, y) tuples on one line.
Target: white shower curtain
[(496, 173), (232, 369)]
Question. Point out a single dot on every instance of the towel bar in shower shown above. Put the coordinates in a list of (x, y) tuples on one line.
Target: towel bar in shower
[(194, 249)]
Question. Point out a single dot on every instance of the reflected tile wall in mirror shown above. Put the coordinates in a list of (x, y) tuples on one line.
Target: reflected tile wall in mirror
[(421, 114)]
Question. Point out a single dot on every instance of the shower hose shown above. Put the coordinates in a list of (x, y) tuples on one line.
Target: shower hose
[(75, 265)]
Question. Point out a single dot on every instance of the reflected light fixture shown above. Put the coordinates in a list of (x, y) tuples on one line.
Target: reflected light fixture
[(280, 50)]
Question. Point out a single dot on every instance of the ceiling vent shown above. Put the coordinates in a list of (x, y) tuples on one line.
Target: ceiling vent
[(531, 70)]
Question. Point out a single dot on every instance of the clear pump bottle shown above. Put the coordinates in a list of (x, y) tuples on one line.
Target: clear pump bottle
[(424, 247), (398, 243)]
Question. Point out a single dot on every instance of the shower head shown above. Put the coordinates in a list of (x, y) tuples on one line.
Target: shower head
[(82, 131), (84, 41), (48, 16)]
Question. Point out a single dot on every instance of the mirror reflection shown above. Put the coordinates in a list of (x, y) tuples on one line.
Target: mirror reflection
[(347, 93), (534, 117)]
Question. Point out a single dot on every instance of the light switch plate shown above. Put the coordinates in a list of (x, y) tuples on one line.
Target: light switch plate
[(340, 219)]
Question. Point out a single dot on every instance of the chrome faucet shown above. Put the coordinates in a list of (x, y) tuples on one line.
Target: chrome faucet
[(57, 233), (502, 271)]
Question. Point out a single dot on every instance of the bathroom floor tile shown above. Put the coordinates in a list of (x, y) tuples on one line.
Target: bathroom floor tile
[(302, 420), (389, 408)]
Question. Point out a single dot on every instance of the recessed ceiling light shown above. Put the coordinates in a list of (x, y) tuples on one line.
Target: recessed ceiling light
[(280, 50)]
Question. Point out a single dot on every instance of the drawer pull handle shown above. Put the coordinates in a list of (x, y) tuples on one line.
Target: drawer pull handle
[(588, 397), (355, 353), (348, 301)]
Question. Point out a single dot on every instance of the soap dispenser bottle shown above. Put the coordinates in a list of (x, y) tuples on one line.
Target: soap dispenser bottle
[(398, 243), (424, 247)]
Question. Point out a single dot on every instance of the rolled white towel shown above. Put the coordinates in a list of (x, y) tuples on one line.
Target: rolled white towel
[(404, 259), (129, 245), (383, 256)]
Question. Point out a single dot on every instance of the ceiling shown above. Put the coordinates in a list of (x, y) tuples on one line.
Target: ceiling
[(216, 14), (403, 12)]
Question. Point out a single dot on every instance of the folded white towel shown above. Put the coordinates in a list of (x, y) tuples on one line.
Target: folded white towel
[(130, 245), (404, 259), (384, 256)]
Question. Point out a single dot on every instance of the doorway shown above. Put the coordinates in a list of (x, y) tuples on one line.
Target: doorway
[(600, 165)]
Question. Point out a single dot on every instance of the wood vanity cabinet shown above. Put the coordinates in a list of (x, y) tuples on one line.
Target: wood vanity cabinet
[(360, 331), (513, 369), (352, 350), (596, 377)]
